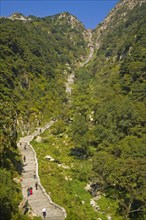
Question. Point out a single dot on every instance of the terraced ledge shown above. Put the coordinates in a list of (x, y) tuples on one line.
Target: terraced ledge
[(39, 199)]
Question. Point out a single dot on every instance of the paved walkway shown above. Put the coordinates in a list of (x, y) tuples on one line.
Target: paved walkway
[(39, 199)]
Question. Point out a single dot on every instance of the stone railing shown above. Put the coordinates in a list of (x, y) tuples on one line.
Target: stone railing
[(40, 185)]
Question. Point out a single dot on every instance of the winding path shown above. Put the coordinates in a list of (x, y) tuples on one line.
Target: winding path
[(39, 199), (70, 81)]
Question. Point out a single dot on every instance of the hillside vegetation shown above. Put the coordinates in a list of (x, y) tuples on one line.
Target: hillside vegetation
[(99, 137), (36, 57), (112, 115)]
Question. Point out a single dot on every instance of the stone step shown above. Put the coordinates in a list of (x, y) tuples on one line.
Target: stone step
[(38, 199)]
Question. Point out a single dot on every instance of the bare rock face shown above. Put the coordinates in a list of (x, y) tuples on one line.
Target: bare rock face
[(19, 16)]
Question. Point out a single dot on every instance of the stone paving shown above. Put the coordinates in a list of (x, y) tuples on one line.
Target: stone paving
[(39, 199)]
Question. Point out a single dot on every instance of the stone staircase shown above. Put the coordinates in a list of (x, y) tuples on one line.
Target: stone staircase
[(39, 199)]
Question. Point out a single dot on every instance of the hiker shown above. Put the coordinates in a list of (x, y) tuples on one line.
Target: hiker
[(28, 191), (36, 185), (44, 212), (25, 145), (31, 190), (34, 175), (24, 158)]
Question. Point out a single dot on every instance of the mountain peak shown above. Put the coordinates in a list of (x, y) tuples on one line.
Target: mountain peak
[(69, 19), (118, 14), (132, 3), (18, 16)]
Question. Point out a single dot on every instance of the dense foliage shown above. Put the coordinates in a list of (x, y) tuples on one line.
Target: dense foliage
[(36, 55), (113, 113), (100, 132)]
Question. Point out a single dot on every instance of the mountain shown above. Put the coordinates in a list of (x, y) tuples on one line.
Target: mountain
[(104, 116), (111, 89), (37, 55)]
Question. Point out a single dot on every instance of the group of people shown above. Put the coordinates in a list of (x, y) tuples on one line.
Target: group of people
[(30, 192), (25, 146), (30, 189)]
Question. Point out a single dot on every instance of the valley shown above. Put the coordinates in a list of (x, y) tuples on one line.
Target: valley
[(76, 97)]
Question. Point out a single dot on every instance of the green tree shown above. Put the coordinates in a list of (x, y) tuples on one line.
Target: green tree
[(9, 199), (121, 172)]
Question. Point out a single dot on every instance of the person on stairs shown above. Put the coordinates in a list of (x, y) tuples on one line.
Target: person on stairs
[(28, 191), (36, 185), (34, 175), (44, 212)]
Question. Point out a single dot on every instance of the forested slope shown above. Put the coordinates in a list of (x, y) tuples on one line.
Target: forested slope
[(113, 114), (37, 54), (100, 132)]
